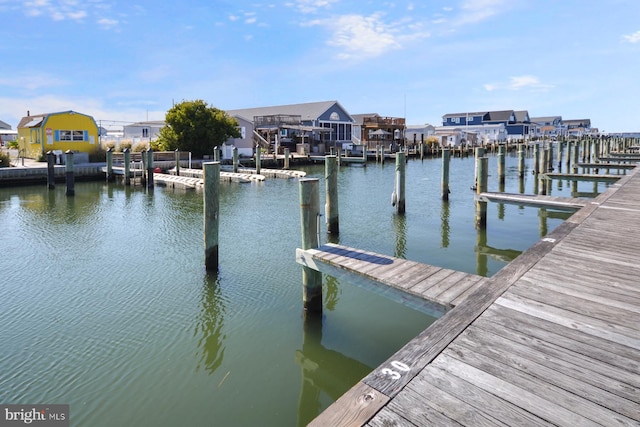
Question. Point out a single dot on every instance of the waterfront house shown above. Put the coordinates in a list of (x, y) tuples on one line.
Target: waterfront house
[(414, 134), (516, 123), (6, 133), (57, 132), (309, 127), (546, 127), (244, 144), (578, 127), (142, 132), (373, 129)]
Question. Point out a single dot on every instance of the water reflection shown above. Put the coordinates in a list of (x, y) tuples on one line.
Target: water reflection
[(444, 227), (332, 292), (400, 228), (324, 371), (210, 325)]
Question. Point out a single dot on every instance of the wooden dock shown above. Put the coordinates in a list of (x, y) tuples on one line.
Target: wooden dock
[(551, 339), (582, 177), (399, 279), (563, 203)]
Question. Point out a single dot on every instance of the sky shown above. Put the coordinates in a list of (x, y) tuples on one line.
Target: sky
[(128, 61)]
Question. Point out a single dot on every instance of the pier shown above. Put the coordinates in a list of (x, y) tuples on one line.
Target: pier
[(551, 339)]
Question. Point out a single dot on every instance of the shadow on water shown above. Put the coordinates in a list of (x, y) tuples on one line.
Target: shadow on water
[(209, 327), (324, 371)]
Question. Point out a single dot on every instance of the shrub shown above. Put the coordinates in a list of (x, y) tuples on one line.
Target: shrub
[(98, 155), (5, 160), (140, 147), (123, 145)]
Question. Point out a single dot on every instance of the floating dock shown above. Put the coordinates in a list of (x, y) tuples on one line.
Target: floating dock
[(551, 339)]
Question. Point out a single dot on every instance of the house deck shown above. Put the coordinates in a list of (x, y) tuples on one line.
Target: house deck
[(552, 339)]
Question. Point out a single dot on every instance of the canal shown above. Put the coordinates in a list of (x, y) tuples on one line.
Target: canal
[(105, 304)]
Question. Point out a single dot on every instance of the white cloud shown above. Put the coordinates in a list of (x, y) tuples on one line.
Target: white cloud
[(32, 82), (107, 23), (632, 38), (519, 83), (474, 11), (250, 20), (361, 37), (311, 6)]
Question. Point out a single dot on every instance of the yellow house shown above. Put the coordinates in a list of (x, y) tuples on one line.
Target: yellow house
[(66, 130)]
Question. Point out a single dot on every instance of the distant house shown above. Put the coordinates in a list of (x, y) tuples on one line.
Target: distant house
[(314, 125), (547, 126), (516, 123), (61, 131), (143, 131), (373, 129), (418, 133), (6, 133), (578, 127), (244, 144), (451, 136)]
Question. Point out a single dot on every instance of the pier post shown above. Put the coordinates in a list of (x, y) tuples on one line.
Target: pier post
[(445, 174), (559, 148), (143, 157), (521, 160), (501, 164), (481, 207), (211, 214), (331, 187), (576, 156), (544, 164), (177, 162), (309, 214), (286, 158), (536, 159), (110, 175), (479, 153), (149, 168), (216, 154), (127, 166), (397, 198), (51, 184), (568, 162), (382, 154), (235, 159), (258, 159), (71, 191)]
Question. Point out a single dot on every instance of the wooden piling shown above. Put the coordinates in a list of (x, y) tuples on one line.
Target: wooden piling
[(544, 164), (536, 159), (149, 168), (479, 153), (501, 164), (481, 207), (258, 159), (211, 204), (521, 160), (286, 157), (71, 191), (331, 187), (110, 176), (51, 184), (445, 174), (216, 154), (235, 159), (309, 214), (127, 166), (177, 158), (397, 199)]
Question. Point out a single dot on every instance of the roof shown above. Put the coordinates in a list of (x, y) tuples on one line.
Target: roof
[(359, 118), (578, 122), (4, 125), (522, 116), (502, 115), (148, 123), (307, 111), (475, 113), (545, 119), (34, 120)]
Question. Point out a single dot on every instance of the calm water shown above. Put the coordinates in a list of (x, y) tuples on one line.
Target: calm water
[(105, 304)]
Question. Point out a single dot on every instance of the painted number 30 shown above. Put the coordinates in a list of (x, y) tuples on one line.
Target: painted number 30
[(395, 374)]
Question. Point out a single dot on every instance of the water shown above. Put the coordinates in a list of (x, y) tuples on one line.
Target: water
[(105, 304)]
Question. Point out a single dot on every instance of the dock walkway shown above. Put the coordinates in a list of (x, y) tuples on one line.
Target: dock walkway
[(551, 339)]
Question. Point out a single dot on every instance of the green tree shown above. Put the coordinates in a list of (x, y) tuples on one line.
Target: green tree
[(196, 127)]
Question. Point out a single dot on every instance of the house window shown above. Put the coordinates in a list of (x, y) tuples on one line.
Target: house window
[(145, 132), (70, 135)]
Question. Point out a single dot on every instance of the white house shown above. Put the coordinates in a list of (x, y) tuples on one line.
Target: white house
[(244, 143), (418, 133), (143, 131)]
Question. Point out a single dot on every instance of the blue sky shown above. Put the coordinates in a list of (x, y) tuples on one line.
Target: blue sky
[(126, 61)]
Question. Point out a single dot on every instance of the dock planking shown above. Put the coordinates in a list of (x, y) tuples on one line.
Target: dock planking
[(552, 339), (435, 284), (565, 203)]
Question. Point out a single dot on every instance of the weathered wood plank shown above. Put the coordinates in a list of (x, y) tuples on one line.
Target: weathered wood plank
[(546, 407), (533, 200), (354, 408)]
